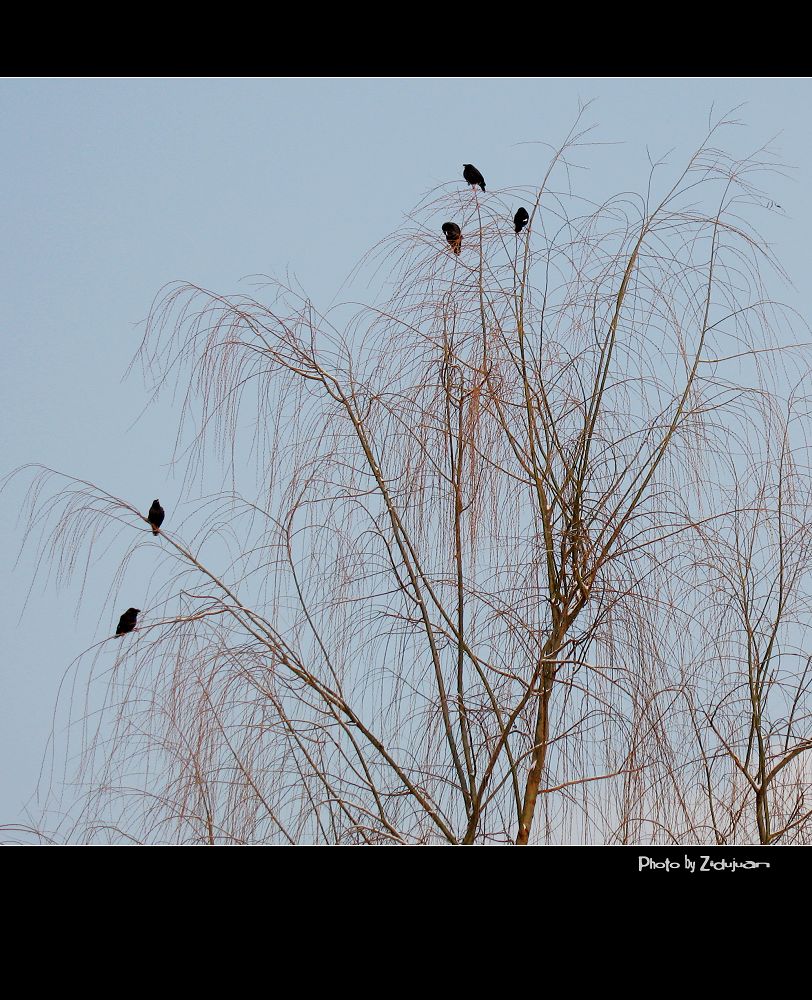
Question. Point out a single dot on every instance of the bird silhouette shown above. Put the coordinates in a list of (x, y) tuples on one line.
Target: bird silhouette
[(520, 219), (127, 621), (473, 176), (156, 516), (453, 234)]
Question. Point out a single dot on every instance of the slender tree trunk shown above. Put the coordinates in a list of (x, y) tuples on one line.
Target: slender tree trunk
[(763, 815), (539, 753)]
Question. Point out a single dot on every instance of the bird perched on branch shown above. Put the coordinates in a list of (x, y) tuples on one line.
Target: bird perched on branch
[(453, 234), (156, 516), (127, 621), (520, 219), (473, 176)]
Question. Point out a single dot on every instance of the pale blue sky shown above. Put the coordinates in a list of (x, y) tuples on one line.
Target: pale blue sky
[(112, 188)]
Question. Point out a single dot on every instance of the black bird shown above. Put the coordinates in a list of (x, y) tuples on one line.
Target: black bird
[(453, 234), (473, 176), (127, 621), (156, 514), (520, 219)]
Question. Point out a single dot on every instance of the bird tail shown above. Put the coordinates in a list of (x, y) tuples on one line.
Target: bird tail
[(457, 246), (482, 185), (155, 530)]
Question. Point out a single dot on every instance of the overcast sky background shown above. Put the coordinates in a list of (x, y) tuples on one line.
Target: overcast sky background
[(112, 188)]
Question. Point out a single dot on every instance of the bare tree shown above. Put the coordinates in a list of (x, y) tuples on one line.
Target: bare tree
[(517, 554), (749, 706)]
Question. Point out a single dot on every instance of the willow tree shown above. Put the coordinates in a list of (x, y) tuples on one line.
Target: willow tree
[(465, 542)]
